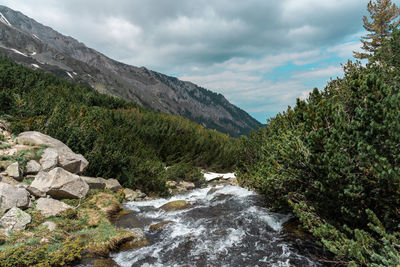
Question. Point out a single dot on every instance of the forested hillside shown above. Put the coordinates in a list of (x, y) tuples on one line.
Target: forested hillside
[(119, 138), (334, 159)]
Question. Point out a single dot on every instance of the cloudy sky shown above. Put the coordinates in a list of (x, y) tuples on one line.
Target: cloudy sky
[(260, 54)]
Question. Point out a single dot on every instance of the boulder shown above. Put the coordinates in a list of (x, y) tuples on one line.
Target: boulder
[(159, 225), (131, 195), (187, 185), (175, 205), (33, 167), (138, 241), (9, 180), (51, 207), (95, 183), (68, 160), (13, 196), (59, 184), (14, 220), (113, 185), (49, 159), (14, 171)]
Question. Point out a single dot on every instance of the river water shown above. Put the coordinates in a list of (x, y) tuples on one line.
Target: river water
[(225, 226)]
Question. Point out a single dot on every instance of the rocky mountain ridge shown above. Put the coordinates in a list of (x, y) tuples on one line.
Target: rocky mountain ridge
[(32, 44)]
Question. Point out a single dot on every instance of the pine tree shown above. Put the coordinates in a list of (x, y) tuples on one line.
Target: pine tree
[(384, 16)]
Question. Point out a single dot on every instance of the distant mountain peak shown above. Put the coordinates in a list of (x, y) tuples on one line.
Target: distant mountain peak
[(40, 47)]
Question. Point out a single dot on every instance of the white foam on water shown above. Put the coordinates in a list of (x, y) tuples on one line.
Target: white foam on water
[(273, 220), (234, 237), (33, 53)]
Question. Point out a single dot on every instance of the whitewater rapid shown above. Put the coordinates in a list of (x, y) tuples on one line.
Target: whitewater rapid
[(225, 226)]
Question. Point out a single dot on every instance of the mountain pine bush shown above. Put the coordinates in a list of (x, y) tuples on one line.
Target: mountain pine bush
[(334, 161)]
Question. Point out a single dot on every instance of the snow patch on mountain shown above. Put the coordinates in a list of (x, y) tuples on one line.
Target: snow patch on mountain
[(4, 20), (18, 52)]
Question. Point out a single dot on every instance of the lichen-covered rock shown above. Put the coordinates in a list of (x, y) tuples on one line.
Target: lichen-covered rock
[(175, 205), (13, 196), (59, 184), (113, 185), (138, 241), (159, 225), (14, 171), (14, 220), (95, 183), (68, 160), (51, 207), (49, 159), (33, 167), (131, 195)]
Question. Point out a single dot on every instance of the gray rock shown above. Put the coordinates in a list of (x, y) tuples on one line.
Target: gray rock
[(113, 185), (9, 180), (51, 226), (14, 171), (12, 196), (170, 183), (49, 159), (14, 220), (51, 207), (33, 167), (187, 185), (68, 160), (95, 183), (131, 195), (59, 184)]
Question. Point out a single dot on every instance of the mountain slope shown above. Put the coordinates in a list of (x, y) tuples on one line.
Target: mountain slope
[(31, 43)]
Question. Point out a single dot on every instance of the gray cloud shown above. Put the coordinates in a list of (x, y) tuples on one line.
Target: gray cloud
[(230, 46), (197, 31)]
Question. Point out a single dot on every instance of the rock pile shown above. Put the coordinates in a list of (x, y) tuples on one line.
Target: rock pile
[(55, 176)]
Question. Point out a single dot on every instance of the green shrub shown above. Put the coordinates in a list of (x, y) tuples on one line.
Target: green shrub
[(334, 159), (119, 138), (185, 172)]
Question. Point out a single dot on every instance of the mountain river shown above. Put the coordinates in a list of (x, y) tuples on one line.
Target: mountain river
[(224, 226)]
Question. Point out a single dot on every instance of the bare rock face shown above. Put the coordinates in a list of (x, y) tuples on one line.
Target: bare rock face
[(49, 159), (13, 196), (59, 184), (67, 159), (14, 171), (113, 185), (51, 207), (14, 220), (33, 167), (95, 183)]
